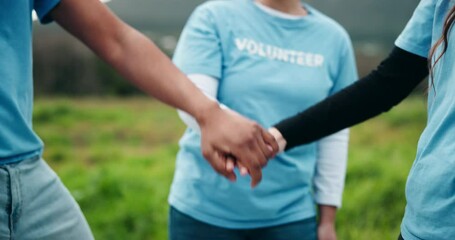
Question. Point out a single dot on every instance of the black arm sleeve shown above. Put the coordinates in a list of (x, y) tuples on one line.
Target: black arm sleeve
[(378, 92)]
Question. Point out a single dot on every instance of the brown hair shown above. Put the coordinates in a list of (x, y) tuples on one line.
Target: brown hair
[(444, 41)]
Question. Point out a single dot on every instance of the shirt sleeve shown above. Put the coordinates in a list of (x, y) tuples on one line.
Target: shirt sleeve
[(331, 169), (199, 47), (43, 8), (392, 81), (417, 36), (209, 86), (333, 150)]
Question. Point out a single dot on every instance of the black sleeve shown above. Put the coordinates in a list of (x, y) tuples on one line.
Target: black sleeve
[(378, 92)]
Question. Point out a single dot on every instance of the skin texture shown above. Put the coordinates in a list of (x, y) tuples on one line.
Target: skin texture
[(138, 60), (326, 228)]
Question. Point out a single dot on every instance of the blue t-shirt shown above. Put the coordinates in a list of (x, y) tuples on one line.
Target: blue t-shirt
[(18, 141), (269, 68), (430, 189)]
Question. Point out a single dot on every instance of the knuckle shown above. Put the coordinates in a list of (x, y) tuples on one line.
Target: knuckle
[(249, 142), (251, 137)]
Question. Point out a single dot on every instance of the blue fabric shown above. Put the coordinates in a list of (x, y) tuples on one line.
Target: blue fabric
[(34, 204), (430, 189), (269, 68), (17, 138), (184, 227)]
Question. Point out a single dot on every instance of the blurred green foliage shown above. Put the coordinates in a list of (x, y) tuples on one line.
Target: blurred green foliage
[(117, 158)]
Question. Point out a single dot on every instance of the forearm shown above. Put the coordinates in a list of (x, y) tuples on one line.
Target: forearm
[(133, 55), (137, 59), (159, 78), (209, 86), (327, 214), (378, 92)]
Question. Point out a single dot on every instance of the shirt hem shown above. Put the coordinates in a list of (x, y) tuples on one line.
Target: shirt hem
[(407, 235), (43, 13), (20, 158), (411, 47), (246, 224)]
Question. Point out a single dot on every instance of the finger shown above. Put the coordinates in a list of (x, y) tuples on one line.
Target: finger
[(270, 140), (253, 159), (256, 176), (232, 160), (243, 170), (218, 163), (261, 147), (230, 164)]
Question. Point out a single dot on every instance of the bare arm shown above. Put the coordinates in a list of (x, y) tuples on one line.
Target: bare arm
[(133, 55), (326, 228), (137, 59)]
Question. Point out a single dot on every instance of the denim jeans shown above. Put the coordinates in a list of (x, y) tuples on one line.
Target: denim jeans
[(183, 227), (34, 204)]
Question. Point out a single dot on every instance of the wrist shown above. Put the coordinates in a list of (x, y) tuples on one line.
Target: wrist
[(326, 223), (327, 215), (206, 109), (279, 139)]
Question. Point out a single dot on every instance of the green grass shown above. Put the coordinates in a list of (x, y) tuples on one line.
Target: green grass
[(117, 158)]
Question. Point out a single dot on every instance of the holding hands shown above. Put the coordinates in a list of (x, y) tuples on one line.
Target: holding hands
[(227, 137)]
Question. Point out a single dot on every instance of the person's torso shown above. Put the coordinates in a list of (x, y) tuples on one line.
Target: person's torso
[(17, 139), (430, 189), (272, 69)]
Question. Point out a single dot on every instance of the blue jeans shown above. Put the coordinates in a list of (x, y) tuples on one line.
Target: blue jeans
[(184, 227), (34, 204)]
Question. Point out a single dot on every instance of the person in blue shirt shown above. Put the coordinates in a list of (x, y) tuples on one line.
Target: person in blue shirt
[(34, 204), (428, 39), (263, 60)]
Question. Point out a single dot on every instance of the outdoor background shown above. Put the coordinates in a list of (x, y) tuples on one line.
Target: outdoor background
[(115, 148)]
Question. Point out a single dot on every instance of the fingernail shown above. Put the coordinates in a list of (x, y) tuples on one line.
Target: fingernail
[(243, 171)]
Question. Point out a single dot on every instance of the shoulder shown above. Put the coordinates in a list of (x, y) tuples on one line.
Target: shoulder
[(333, 28), (219, 13), (219, 7)]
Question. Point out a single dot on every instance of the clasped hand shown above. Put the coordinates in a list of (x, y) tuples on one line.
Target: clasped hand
[(229, 139)]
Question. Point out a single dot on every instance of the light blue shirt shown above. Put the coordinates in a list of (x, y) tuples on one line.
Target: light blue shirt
[(430, 189), (269, 69), (18, 141)]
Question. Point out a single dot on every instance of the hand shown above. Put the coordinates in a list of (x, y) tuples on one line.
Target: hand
[(279, 139), (232, 162), (326, 228), (226, 133), (326, 231)]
